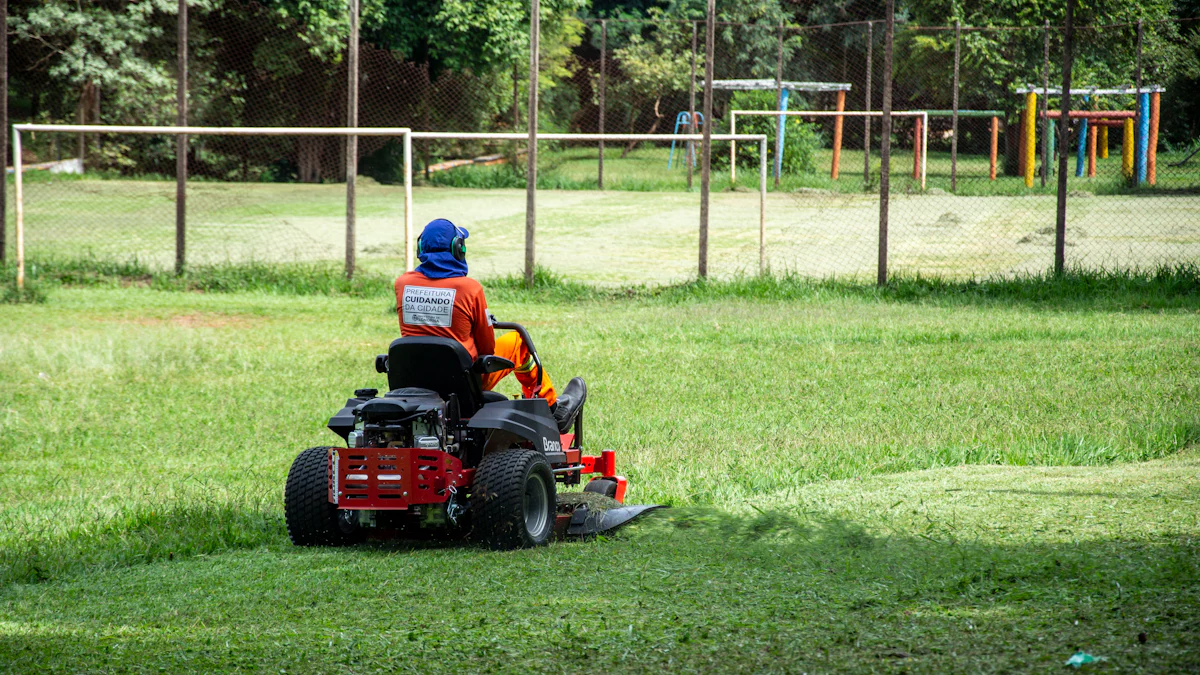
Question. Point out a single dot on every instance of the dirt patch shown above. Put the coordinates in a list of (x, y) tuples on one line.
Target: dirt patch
[(1045, 237), (193, 320)]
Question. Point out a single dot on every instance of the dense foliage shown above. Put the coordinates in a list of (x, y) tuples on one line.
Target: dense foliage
[(462, 65)]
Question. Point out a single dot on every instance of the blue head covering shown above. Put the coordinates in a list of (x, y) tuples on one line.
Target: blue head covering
[(437, 262)]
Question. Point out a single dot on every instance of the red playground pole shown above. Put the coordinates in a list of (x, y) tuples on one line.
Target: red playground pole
[(995, 146), (917, 149), (1091, 150), (1152, 146)]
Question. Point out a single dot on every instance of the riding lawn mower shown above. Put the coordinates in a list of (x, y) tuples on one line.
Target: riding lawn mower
[(437, 455)]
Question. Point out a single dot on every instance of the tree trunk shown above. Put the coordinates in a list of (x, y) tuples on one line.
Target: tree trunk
[(653, 127), (308, 158)]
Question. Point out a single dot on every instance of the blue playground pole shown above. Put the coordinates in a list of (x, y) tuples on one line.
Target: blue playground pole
[(1081, 153), (783, 106), (683, 119), (1142, 146)]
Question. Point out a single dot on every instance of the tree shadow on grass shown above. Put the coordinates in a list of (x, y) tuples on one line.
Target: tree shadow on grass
[(684, 590)]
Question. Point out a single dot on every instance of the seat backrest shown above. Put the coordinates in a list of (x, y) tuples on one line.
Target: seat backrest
[(440, 364)]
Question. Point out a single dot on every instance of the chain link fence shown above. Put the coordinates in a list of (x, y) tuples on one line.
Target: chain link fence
[(962, 201)]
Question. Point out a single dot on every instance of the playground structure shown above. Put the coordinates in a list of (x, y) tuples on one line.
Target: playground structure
[(920, 136), (683, 119), (1139, 144), (785, 88)]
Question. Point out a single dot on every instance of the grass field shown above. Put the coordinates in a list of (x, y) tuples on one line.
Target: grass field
[(643, 229), (938, 479)]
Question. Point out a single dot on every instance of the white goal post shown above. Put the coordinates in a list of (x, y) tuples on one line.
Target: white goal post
[(923, 114), (406, 133)]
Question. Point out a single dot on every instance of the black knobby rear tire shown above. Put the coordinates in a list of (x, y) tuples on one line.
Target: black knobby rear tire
[(602, 486), (513, 500), (311, 519)]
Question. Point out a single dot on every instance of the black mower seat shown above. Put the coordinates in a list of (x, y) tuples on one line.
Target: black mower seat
[(440, 364)]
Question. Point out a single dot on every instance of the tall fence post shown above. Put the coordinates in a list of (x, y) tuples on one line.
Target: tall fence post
[(1060, 226), (535, 28), (351, 141), (603, 87), (1045, 106), (691, 146), (516, 97), (181, 140), (710, 33), (954, 112), (885, 145), (867, 107), (4, 129)]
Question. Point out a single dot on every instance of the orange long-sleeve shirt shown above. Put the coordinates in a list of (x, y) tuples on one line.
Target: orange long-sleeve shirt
[(453, 308)]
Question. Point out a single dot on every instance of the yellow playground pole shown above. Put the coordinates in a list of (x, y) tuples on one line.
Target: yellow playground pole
[(1030, 136), (1127, 150), (1104, 142)]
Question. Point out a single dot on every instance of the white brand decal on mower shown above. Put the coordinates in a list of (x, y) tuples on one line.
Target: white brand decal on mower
[(424, 306), (551, 446)]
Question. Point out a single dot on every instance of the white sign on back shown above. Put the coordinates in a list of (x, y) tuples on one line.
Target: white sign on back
[(424, 306)]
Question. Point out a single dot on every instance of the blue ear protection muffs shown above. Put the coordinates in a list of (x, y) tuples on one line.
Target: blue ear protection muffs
[(458, 247)]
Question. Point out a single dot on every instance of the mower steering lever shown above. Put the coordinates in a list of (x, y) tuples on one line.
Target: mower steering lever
[(507, 325)]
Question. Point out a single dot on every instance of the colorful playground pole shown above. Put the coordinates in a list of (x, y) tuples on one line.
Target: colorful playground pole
[(1104, 142), (837, 135), (917, 149), (1152, 151), (783, 106), (1051, 140), (1030, 136), (1127, 143), (1143, 137), (994, 148), (1082, 148), (1091, 150)]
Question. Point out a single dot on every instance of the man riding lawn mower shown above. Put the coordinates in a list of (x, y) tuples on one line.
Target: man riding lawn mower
[(441, 452)]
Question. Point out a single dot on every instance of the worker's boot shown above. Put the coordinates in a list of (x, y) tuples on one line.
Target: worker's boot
[(568, 404)]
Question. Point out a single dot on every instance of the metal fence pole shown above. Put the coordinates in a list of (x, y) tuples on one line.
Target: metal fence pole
[(1137, 73), (535, 27), (18, 178), (710, 33), (691, 146), (1045, 103), (3, 129), (603, 87), (351, 141), (516, 98), (1060, 227), (408, 203), (762, 207), (954, 112), (181, 141), (885, 146), (867, 106)]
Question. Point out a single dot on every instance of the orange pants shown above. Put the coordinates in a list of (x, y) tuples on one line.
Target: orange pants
[(510, 346)]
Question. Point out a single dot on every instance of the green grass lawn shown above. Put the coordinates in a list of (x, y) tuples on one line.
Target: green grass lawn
[(861, 482)]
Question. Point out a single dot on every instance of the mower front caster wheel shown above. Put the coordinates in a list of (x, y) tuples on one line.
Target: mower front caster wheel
[(513, 500)]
